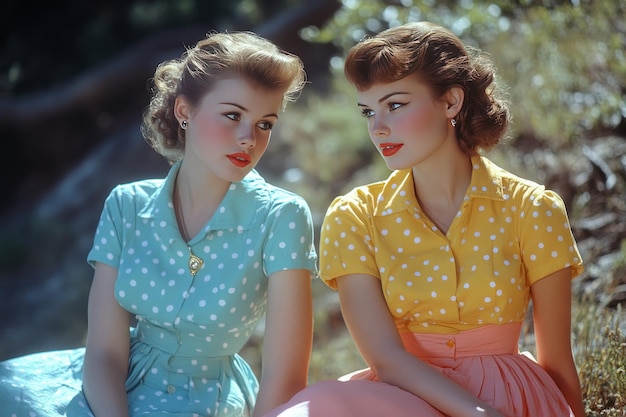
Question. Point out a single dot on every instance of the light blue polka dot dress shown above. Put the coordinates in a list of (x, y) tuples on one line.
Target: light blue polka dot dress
[(183, 359)]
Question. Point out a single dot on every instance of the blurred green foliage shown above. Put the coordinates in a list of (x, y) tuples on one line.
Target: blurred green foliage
[(600, 353), (562, 62)]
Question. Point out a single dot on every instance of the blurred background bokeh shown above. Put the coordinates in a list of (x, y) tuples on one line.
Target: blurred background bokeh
[(73, 85)]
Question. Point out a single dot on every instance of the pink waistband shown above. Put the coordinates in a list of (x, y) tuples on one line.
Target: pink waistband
[(487, 340)]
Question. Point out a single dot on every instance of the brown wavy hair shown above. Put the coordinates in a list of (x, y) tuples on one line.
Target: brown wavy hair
[(441, 61), (218, 56)]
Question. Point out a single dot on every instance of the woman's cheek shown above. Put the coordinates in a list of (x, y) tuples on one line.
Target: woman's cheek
[(421, 119), (214, 131)]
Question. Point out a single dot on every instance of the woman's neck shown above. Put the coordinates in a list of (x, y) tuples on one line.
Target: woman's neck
[(440, 187), (198, 196)]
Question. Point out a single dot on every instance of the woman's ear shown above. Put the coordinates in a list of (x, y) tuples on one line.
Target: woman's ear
[(454, 98), (182, 109)]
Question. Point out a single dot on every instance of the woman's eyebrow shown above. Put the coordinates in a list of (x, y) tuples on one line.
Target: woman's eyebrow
[(385, 97), (242, 108)]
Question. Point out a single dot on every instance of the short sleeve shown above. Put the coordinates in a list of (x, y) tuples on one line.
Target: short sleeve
[(346, 245), (107, 243), (548, 244), (289, 243)]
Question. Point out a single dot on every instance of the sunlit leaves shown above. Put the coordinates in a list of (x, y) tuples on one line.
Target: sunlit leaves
[(563, 62)]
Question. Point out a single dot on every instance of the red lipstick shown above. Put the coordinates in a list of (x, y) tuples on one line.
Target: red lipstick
[(240, 159), (389, 149)]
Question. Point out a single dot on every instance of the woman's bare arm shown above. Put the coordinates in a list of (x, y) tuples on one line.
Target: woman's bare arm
[(287, 340), (108, 345), (552, 320), (371, 325)]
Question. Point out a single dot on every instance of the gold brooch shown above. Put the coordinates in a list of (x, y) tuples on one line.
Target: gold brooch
[(194, 263)]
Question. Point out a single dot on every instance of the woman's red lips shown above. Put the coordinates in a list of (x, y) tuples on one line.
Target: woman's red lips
[(389, 149), (239, 159)]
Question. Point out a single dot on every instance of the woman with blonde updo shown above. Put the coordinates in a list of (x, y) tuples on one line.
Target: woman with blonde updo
[(198, 258), (435, 265)]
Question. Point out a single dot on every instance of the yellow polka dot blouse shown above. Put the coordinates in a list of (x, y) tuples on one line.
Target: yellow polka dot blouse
[(508, 234)]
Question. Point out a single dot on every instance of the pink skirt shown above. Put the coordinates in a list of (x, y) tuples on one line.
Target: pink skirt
[(485, 361)]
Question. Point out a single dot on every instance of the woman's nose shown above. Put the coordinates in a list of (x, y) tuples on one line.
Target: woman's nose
[(246, 137), (379, 127)]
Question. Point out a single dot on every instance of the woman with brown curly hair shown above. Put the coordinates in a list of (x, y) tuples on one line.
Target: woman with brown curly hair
[(436, 265), (197, 258)]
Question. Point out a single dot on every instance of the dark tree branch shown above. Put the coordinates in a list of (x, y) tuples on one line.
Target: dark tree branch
[(130, 68), (109, 79)]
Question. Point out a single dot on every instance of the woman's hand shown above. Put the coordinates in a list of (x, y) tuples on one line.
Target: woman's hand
[(487, 412)]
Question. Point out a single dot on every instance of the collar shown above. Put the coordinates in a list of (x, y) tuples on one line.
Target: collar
[(237, 210), (398, 193), (486, 179)]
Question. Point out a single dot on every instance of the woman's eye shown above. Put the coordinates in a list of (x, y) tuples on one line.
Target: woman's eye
[(395, 106), (265, 125), (367, 113), (233, 116)]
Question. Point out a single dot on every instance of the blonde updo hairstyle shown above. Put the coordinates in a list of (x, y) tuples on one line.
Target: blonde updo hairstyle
[(440, 60), (218, 56)]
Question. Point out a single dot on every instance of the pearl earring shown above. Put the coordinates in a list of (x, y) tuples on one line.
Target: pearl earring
[(453, 122)]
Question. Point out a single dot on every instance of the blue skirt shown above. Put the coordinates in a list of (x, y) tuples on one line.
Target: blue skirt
[(161, 382)]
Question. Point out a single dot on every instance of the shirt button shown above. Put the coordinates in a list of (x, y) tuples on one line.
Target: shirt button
[(171, 389), (450, 343)]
